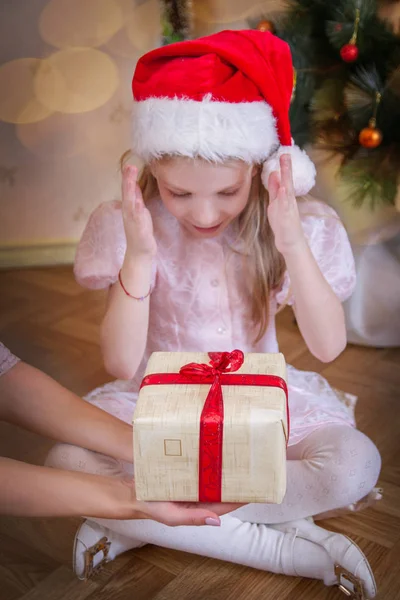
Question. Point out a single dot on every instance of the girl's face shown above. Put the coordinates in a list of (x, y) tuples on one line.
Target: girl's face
[(204, 197)]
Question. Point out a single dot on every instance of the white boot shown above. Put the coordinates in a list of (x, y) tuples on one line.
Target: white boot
[(353, 574), (298, 548), (243, 543), (96, 545)]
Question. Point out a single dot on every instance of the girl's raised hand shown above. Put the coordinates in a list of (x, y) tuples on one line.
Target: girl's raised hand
[(283, 212), (138, 223)]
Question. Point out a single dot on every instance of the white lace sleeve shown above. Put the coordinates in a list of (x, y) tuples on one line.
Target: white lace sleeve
[(7, 359), (331, 248), (101, 251)]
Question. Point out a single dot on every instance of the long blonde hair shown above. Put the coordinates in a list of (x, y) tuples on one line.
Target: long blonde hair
[(266, 264)]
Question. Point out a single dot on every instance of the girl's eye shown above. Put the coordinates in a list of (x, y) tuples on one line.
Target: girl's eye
[(175, 195), (230, 193)]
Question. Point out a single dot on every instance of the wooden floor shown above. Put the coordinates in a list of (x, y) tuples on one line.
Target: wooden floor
[(53, 324)]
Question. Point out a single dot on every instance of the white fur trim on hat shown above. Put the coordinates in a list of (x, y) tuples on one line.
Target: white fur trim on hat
[(213, 130), (304, 171)]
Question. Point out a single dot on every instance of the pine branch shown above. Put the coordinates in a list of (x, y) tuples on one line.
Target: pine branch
[(317, 9), (360, 96), (366, 181), (345, 11), (373, 33), (360, 99), (176, 20)]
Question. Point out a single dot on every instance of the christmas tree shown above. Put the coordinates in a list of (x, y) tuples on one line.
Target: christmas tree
[(176, 20), (347, 89)]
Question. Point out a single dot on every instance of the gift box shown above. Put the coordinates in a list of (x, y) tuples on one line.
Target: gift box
[(212, 428)]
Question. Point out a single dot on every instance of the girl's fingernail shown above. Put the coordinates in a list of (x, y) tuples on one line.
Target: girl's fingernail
[(212, 521)]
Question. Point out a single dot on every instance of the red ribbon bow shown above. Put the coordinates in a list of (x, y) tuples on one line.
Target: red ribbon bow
[(218, 373), (212, 419)]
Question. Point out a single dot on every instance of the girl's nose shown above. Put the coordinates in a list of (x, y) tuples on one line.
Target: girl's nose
[(205, 215)]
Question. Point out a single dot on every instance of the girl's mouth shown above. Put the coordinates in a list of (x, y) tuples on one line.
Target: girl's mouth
[(207, 229)]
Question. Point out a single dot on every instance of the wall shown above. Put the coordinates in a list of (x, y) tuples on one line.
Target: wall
[(64, 116)]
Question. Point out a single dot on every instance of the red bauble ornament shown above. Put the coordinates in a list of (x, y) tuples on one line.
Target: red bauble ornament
[(266, 25), (370, 137), (349, 52)]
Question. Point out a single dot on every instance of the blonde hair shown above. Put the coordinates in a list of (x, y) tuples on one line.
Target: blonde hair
[(266, 264)]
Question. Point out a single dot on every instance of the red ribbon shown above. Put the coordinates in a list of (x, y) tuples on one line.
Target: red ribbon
[(217, 373)]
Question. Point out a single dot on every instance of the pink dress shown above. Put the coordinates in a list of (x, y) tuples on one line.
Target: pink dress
[(200, 302), (7, 359)]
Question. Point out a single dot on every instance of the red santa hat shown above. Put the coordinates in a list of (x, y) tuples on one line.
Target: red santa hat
[(219, 97)]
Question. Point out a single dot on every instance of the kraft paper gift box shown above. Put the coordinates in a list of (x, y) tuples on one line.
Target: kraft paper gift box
[(212, 428)]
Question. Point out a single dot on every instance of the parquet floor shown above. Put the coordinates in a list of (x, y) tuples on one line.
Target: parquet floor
[(53, 324)]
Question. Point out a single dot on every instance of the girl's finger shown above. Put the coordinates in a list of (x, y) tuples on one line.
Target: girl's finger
[(139, 204), (273, 185), (286, 173), (283, 198), (129, 176)]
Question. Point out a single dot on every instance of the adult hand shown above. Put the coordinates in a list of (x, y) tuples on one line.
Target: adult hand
[(179, 513)]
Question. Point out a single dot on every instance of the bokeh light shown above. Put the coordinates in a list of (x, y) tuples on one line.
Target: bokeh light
[(56, 137), (106, 133), (18, 103), (76, 80), (121, 46), (143, 26), (70, 23), (141, 30)]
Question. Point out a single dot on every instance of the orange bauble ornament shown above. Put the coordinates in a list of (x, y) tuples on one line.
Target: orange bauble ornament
[(370, 137), (266, 25)]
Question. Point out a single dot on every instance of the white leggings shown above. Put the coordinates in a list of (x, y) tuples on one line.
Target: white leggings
[(333, 467)]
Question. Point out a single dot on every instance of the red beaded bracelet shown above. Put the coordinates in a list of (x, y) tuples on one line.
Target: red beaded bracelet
[(141, 298)]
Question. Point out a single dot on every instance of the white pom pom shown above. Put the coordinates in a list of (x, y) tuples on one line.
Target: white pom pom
[(303, 169)]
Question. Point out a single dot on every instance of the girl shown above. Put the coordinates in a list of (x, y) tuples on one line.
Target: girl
[(198, 257)]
